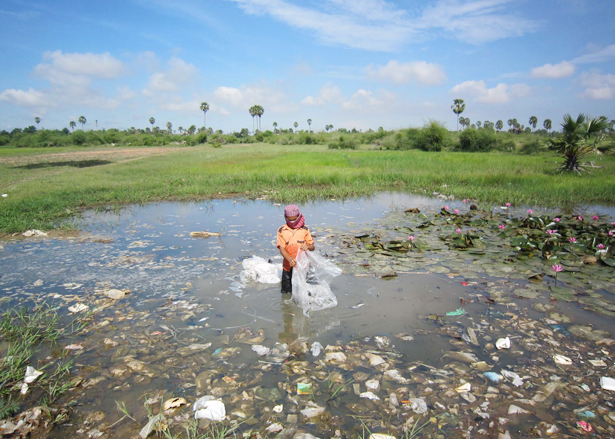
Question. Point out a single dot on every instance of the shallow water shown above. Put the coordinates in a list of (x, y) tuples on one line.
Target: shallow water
[(185, 291)]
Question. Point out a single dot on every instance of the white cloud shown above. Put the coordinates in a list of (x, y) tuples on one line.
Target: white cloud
[(271, 98), (600, 55), (30, 98), (327, 93), (499, 94), (554, 71), (597, 86), (177, 74), (366, 101), (63, 67), (404, 73)]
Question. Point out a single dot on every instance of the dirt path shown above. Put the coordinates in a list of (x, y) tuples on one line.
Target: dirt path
[(116, 155)]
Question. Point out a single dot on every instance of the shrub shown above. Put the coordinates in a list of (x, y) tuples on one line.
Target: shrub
[(343, 143), (433, 137), (472, 140), (534, 146), (78, 138)]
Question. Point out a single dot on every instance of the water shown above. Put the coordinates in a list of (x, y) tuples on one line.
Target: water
[(183, 292)]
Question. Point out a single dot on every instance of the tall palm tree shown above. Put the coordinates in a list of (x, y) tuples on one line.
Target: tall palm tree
[(516, 125), (252, 111), (204, 108), (259, 112), (37, 120), (296, 124), (169, 126), (547, 124), (275, 127), (458, 107), (82, 120), (533, 121), (499, 125), (478, 124), (72, 124), (152, 121), (575, 142), (309, 121)]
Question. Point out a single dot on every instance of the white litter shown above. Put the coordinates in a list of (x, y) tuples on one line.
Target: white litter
[(33, 232), (78, 308), (512, 377), (607, 383), (259, 270), (316, 349), (369, 395), (261, 350), (311, 277), (208, 407), (31, 375), (503, 343), (560, 359)]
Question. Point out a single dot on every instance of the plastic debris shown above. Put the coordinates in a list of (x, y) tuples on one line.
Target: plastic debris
[(73, 347), (33, 232), (561, 359), (513, 378), (607, 383), (311, 277), (304, 388), (316, 348), (598, 363), (370, 396), (204, 234), (503, 343), (419, 406), (278, 408), (516, 410), (78, 308), (464, 388), (259, 270), (586, 415), (585, 426), (492, 376), (31, 375), (115, 294), (457, 312), (260, 350), (209, 407), (151, 426), (173, 403)]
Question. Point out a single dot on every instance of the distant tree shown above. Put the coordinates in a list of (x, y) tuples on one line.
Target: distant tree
[(192, 129), (458, 107), (82, 120), (37, 120), (275, 127), (169, 126), (528, 130), (296, 124), (259, 112), (72, 125), (533, 121), (309, 121), (547, 124), (611, 126), (253, 112), (575, 140), (181, 130), (152, 121), (478, 124), (204, 108)]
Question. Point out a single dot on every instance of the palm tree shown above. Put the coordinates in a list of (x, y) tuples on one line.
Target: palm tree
[(575, 142), (37, 120), (458, 107), (72, 124), (82, 120), (533, 121), (516, 125), (499, 125), (275, 127), (204, 108), (309, 121), (252, 111), (169, 126), (152, 121), (478, 123), (259, 112), (296, 124), (547, 124)]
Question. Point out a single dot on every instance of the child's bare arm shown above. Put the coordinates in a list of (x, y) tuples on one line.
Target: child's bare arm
[(286, 256)]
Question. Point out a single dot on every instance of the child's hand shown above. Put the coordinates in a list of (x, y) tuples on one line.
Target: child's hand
[(304, 247), (292, 262)]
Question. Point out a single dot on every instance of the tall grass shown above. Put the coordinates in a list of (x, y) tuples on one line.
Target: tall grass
[(41, 198)]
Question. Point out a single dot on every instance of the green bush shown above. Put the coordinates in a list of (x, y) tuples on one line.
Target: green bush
[(473, 140), (343, 143), (534, 146), (433, 137), (78, 138)]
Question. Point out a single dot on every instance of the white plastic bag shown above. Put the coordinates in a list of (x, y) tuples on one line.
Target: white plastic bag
[(311, 277), (259, 270)]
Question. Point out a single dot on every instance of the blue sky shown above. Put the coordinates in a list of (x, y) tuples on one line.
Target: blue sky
[(349, 63)]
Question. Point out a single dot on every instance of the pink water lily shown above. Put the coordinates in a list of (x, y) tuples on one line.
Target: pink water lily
[(508, 204), (502, 226), (595, 217), (445, 207), (551, 232), (465, 201), (557, 268), (530, 211), (580, 218), (600, 246), (572, 239), (610, 233), (456, 210), (557, 220), (458, 230), (411, 238), (613, 224)]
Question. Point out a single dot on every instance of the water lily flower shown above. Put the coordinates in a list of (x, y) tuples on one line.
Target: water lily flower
[(445, 207), (465, 201), (458, 230), (573, 239), (557, 268), (580, 218), (551, 232), (508, 204), (610, 233), (502, 226), (557, 220), (411, 238), (600, 246), (595, 217), (530, 211), (613, 224), (456, 210)]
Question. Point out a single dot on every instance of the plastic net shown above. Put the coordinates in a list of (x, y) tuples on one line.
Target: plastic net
[(311, 277)]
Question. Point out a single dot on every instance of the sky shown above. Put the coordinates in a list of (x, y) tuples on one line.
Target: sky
[(348, 63)]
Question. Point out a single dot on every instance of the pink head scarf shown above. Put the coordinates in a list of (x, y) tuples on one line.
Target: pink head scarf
[(290, 211)]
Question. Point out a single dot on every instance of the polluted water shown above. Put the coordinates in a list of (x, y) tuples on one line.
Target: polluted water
[(451, 321)]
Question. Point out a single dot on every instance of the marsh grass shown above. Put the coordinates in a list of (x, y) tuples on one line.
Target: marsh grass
[(27, 333), (43, 199)]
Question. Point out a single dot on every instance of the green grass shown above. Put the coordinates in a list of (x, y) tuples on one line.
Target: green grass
[(40, 197)]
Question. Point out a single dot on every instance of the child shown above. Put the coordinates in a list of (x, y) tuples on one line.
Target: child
[(292, 236)]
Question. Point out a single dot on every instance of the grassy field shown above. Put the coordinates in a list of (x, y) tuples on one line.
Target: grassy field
[(46, 185)]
